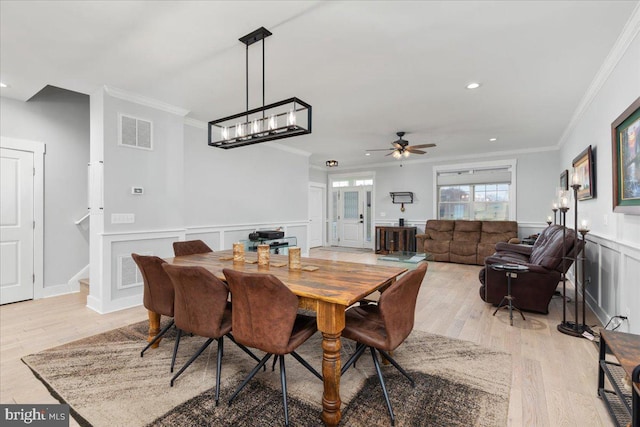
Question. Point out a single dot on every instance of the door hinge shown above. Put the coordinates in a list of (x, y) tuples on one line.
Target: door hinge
[(34, 225), (33, 278), (34, 171)]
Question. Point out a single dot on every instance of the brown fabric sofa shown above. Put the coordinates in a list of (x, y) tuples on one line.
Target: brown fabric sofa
[(532, 291), (464, 242)]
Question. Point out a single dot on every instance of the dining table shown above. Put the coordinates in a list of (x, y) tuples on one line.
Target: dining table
[(327, 287)]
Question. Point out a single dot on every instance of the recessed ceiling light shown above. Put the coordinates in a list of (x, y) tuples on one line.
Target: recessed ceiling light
[(3, 85), (473, 85), (493, 139), (367, 154)]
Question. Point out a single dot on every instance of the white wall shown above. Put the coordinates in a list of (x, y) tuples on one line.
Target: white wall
[(613, 264), (60, 119)]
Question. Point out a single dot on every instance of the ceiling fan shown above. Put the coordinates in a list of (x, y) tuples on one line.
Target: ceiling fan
[(401, 148)]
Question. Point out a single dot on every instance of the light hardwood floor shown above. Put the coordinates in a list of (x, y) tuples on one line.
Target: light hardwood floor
[(554, 377)]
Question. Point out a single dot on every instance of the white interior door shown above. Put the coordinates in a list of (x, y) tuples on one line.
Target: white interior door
[(316, 217), (16, 225), (351, 218)]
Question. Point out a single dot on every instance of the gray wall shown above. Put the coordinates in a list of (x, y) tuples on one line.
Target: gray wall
[(613, 249), (60, 119), (247, 185), (537, 179), (158, 171)]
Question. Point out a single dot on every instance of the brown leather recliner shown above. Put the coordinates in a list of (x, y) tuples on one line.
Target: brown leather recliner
[(532, 291)]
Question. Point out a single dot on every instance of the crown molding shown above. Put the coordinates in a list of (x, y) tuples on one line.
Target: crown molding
[(189, 121), (491, 155), (143, 100), (626, 37)]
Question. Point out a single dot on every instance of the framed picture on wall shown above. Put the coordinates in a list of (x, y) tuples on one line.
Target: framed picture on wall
[(564, 180), (625, 154), (583, 168)]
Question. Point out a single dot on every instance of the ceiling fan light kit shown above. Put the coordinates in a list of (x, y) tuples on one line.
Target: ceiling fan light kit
[(331, 163), (402, 149), (283, 119)]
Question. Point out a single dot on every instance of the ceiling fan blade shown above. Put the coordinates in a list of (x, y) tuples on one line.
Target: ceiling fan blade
[(424, 146), (412, 151), (381, 149), (396, 146), (390, 153)]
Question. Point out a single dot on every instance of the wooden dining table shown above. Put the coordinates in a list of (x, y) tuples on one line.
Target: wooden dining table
[(328, 291)]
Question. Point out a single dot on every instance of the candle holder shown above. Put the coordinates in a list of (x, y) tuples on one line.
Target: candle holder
[(548, 221), (567, 327)]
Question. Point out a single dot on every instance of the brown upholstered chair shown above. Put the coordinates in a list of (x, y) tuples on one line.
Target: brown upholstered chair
[(532, 291), (265, 316), (158, 294), (190, 247), (201, 308), (383, 327)]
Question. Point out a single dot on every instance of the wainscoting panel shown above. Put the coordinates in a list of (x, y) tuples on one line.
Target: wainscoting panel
[(611, 273)]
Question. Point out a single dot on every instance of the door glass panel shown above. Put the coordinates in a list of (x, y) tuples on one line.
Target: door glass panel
[(350, 205), (334, 216), (368, 217)]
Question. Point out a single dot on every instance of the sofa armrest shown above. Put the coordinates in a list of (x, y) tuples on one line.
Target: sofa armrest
[(420, 238), (510, 247)]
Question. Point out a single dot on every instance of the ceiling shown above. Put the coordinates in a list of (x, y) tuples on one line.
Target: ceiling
[(368, 68)]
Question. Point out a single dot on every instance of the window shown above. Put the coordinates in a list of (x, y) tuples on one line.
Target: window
[(478, 202), (483, 191), (352, 183)]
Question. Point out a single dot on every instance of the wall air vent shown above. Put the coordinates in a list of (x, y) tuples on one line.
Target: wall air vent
[(135, 132), (128, 274)]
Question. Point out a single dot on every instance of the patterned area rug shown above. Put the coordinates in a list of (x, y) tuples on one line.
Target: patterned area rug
[(106, 383)]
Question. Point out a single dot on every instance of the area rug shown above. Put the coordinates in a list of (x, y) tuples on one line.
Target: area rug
[(107, 383)]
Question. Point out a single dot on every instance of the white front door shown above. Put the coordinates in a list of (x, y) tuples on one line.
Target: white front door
[(316, 217), (16, 225), (351, 219)]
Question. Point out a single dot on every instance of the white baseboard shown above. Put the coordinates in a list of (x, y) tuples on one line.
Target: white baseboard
[(82, 274), (110, 306), (56, 290)]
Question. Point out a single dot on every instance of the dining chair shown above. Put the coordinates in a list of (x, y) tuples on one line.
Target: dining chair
[(158, 295), (265, 317), (382, 327), (201, 308), (190, 247)]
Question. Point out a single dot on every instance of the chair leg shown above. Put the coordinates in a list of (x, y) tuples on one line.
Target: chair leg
[(384, 388), (157, 337), (283, 381), (398, 367), (355, 356), (251, 375), (243, 348), (175, 348), (273, 365), (186, 365), (219, 367), (305, 364)]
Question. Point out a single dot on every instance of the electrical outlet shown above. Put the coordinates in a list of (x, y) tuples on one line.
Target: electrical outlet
[(383, 214), (120, 218)]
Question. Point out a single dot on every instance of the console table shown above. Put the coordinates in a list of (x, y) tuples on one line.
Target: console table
[(393, 238), (623, 405)]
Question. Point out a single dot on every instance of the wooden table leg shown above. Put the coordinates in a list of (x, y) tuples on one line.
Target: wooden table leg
[(154, 328), (331, 323)]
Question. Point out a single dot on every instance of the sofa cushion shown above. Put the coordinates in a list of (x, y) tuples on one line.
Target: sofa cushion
[(463, 252), (498, 231), (438, 249), (439, 229), (467, 231)]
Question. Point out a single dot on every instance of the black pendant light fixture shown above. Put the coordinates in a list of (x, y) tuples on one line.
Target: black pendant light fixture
[(283, 119)]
